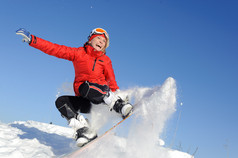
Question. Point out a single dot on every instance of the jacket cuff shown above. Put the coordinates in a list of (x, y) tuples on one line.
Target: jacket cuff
[(33, 40)]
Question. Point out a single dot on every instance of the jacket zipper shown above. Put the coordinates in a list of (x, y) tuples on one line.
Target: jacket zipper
[(94, 64)]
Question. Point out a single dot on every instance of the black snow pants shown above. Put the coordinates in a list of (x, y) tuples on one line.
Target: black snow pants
[(69, 106)]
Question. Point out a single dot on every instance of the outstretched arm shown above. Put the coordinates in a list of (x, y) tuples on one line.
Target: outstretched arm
[(47, 47)]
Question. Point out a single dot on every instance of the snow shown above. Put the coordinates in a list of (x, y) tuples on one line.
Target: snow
[(138, 136)]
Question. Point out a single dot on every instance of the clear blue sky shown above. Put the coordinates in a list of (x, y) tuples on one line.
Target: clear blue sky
[(195, 42)]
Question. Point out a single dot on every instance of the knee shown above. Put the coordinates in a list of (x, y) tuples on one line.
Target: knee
[(60, 101), (84, 89)]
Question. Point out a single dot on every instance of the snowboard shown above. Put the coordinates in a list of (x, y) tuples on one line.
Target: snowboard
[(100, 137)]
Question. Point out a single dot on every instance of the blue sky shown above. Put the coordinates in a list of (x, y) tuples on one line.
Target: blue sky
[(195, 42)]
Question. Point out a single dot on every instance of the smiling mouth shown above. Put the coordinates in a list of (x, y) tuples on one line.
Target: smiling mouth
[(98, 46)]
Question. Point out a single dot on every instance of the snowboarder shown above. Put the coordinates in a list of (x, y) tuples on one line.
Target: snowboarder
[(94, 80)]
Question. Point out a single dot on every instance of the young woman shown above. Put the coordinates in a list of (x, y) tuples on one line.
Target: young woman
[(94, 80)]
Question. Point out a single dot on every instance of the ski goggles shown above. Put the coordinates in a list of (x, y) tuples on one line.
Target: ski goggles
[(99, 31)]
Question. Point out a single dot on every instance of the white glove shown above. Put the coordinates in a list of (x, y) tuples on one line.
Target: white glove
[(26, 35)]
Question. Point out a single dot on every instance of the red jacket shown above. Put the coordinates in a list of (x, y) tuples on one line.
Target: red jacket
[(90, 65)]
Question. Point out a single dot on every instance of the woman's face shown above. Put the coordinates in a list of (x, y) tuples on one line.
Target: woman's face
[(98, 43)]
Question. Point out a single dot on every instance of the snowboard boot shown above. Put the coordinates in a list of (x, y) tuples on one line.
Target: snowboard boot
[(116, 103), (122, 107), (83, 133)]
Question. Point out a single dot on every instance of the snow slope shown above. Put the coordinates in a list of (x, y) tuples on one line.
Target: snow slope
[(137, 137)]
